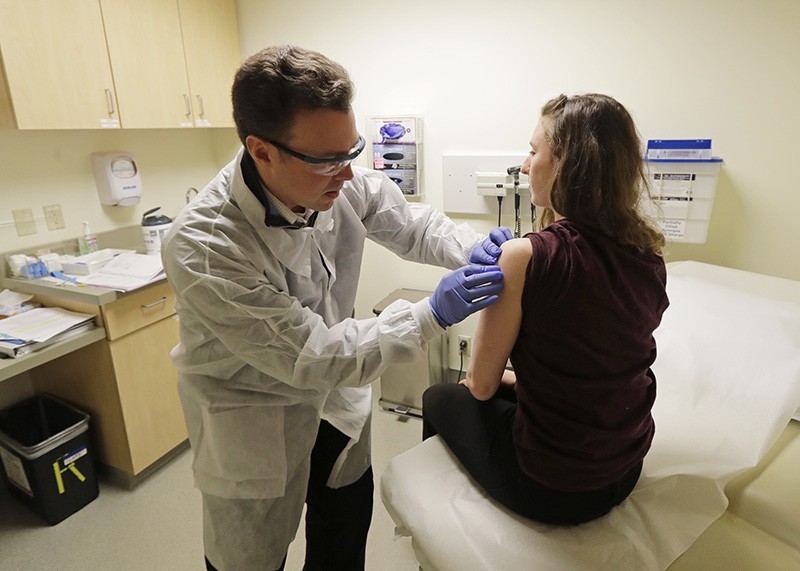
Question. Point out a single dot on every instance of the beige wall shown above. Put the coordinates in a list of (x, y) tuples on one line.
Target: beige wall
[(54, 167), (38, 168), (478, 72)]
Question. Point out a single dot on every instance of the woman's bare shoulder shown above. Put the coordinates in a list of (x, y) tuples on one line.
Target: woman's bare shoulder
[(516, 248)]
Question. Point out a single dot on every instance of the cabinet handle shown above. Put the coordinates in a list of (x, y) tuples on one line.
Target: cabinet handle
[(155, 303), (188, 104), (202, 107), (110, 101)]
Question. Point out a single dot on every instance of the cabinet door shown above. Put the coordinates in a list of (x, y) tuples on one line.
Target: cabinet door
[(56, 65), (147, 383), (211, 46), (85, 378), (146, 51)]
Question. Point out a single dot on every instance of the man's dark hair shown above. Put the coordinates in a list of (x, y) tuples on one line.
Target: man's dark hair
[(272, 85)]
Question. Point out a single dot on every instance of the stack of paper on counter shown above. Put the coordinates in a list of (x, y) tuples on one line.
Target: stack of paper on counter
[(12, 302), (37, 328), (126, 272)]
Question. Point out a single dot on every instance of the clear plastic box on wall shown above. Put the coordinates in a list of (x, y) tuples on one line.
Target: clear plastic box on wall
[(682, 190), (397, 150)]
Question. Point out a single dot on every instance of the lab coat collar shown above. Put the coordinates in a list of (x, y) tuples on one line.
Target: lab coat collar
[(292, 246), (253, 181)]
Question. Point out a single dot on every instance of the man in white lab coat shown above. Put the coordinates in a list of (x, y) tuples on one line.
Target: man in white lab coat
[(273, 371)]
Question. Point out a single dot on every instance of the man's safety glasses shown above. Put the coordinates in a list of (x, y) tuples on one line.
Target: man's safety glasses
[(328, 166)]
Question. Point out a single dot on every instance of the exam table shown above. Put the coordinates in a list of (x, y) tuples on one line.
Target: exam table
[(719, 489)]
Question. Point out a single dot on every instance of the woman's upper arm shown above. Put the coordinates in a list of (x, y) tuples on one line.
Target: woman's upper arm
[(498, 324)]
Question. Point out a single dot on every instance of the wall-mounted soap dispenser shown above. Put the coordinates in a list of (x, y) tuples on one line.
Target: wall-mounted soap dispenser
[(117, 178)]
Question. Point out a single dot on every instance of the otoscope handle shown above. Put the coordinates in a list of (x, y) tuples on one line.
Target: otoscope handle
[(514, 171)]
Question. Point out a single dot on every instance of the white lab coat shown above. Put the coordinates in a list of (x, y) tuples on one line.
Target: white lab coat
[(267, 342)]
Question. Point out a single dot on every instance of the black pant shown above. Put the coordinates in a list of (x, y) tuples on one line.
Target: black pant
[(337, 520), (479, 433)]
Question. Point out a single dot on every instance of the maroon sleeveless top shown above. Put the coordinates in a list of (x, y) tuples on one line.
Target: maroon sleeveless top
[(583, 357)]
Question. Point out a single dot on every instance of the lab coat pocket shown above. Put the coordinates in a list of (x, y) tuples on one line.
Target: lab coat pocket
[(241, 453)]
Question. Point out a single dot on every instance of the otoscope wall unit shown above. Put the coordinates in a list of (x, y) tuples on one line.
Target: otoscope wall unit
[(682, 188), (470, 183)]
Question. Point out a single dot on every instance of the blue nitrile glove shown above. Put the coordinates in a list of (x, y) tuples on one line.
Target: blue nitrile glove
[(488, 251), (464, 291)]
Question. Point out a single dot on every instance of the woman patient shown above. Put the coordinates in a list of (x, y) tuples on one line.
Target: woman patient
[(562, 438)]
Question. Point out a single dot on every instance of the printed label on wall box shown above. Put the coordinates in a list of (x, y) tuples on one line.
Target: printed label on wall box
[(666, 176), (677, 149), (673, 229), (672, 185), (15, 471)]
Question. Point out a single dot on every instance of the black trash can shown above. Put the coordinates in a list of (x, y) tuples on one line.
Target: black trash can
[(44, 447)]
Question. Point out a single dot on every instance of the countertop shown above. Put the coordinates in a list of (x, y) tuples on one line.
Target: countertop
[(129, 238)]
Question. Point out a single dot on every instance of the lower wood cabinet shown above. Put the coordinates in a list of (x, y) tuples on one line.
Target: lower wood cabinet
[(127, 382)]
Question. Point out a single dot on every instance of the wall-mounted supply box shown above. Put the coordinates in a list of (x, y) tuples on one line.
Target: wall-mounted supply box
[(117, 177), (397, 150), (683, 195), (682, 176)]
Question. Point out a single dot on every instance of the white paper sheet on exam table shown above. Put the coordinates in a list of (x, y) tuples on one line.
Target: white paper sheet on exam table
[(728, 369)]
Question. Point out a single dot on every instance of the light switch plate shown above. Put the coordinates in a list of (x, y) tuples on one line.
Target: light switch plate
[(23, 220)]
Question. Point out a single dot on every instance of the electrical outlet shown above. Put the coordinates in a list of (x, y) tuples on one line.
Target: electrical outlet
[(23, 220), (465, 345), (53, 216)]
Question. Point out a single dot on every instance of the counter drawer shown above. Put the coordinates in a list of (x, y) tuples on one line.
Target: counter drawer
[(138, 309)]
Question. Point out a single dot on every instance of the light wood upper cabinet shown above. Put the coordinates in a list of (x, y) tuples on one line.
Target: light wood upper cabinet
[(211, 46), (56, 69), (173, 60), (146, 52), (88, 64)]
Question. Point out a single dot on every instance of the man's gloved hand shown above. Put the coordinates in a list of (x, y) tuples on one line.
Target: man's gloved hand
[(464, 291), (487, 251)]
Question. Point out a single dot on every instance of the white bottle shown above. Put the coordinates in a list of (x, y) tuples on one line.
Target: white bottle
[(154, 228), (88, 242)]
